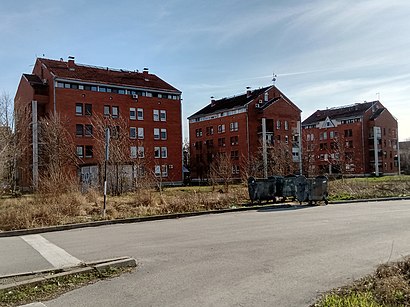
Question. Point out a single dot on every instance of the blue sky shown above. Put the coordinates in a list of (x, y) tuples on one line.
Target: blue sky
[(325, 53)]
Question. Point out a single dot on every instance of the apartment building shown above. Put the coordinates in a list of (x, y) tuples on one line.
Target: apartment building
[(148, 107), (245, 127), (358, 140)]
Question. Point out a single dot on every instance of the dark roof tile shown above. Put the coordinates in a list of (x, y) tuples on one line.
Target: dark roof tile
[(107, 76), (339, 112)]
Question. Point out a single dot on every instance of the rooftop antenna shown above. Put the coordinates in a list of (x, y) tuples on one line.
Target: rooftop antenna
[(378, 96), (274, 77)]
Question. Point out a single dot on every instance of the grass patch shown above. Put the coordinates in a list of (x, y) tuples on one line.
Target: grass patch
[(54, 287), (72, 207), (389, 285)]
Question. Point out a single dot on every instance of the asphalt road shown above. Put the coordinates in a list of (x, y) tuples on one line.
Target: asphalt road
[(255, 258)]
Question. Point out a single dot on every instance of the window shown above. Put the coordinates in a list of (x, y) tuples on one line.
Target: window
[(140, 114), (210, 130), (221, 128), (234, 140), (234, 126), (198, 132), (106, 110), (157, 170), (286, 139), (278, 124), (348, 133), (325, 135), (88, 109), (133, 133), (164, 170), (94, 88), (115, 132), (163, 115), (141, 152), (133, 113), (115, 112), (156, 115), (88, 130), (209, 143), (78, 109), (161, 170), (133, 150), (221, 142), (286, 125), (235, 169), (164, 152), (266, 96), (235, 155), (157, 152), (156, 133), (80, 151), (88, 151), (140, 133), (79, 130), (163, 134)]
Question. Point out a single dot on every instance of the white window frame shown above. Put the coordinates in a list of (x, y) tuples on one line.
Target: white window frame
[(157, 170), (140, 133), (141, 152), (133, 113), (157, 152), (164, 152), (164, 172), (116, 113), (140, 114), (163, 115), (157, 135), (133, 133), (80, 151), (133, 152), (155, 115), (164, 135)]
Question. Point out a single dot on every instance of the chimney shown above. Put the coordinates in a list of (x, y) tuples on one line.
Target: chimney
[(71, 63), (212, 101), (248, 91), (145, 71)]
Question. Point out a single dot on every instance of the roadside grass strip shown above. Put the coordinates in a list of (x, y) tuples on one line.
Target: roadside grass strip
[(52, 287), (389, 285)]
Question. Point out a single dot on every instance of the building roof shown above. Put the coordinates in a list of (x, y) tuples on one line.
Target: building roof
[(377, 113), (357, 109), (106, 75), (229, 102)]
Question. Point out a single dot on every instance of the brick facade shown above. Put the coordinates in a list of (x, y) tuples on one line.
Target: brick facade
[(80, 93), (233, 126), (341, 141)]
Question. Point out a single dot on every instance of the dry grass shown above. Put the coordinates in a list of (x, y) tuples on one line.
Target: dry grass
[(388, 286), (53, 207), (47, 209), (362, 188)]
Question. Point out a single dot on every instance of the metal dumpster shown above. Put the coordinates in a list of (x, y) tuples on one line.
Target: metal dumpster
[(289, 187), (278, 184), (262, 189), (301, 188), (317, 189)]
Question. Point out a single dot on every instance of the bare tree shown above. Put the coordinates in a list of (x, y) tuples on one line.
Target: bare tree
[(221, 170), (6, 140), (57, 154), (119, 149)]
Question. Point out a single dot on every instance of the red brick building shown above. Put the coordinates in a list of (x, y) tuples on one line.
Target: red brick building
[(150, 107), (235, 126), (359, 139)]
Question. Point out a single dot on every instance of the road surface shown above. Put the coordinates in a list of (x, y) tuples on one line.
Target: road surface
[(283, 257)]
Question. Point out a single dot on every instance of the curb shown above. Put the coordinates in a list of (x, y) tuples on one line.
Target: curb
[(22, 232), (100, 266)]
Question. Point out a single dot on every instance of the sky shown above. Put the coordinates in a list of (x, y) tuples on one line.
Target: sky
[(325, 53)]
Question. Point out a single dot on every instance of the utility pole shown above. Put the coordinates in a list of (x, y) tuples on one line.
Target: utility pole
[(107, 157)]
